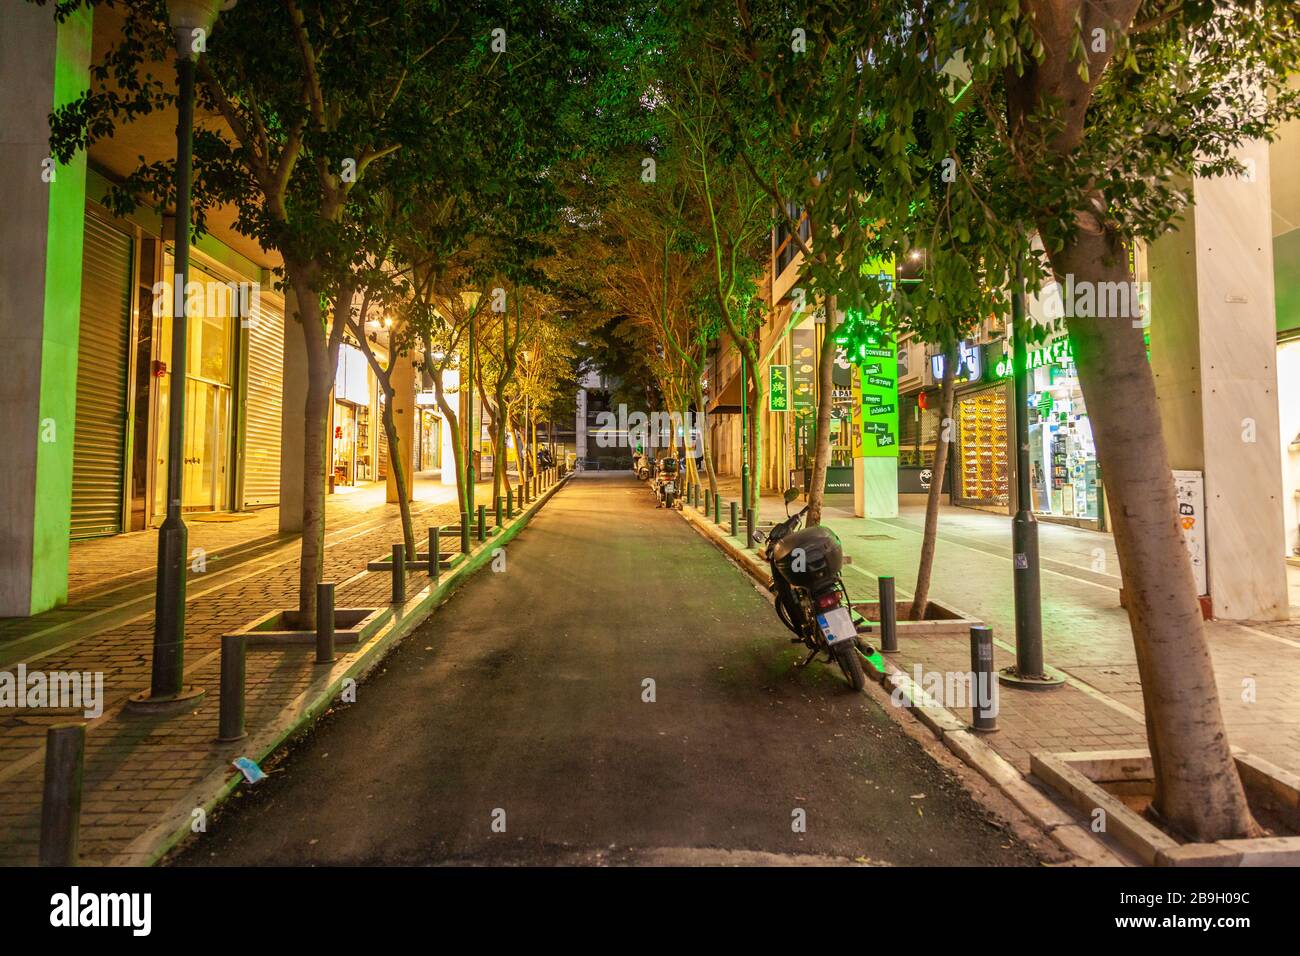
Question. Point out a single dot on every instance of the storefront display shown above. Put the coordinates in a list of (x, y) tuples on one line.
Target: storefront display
[(1062, 454), (351, 460), (982, 447)]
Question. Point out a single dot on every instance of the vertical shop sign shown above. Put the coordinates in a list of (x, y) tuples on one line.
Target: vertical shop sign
[(778, 388), (877, 362)]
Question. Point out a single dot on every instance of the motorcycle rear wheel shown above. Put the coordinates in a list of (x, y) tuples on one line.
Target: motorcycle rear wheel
[(850, 661)]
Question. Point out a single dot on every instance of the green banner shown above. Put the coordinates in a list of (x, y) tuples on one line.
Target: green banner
[(778, 388)]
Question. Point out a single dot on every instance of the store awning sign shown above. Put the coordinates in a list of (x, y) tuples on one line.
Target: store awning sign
[(969, 366), (1055, 352)]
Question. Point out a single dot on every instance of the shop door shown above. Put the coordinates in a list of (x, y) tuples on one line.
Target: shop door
[(208, 391), (99, 435)]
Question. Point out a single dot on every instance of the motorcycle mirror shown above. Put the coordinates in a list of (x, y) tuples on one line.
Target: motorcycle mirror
[(791, 494)]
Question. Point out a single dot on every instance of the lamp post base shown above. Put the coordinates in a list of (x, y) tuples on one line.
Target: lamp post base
[(144, 704), (1050, 679)]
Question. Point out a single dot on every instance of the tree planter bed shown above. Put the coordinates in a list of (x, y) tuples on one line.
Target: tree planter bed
[(446, 561), (1119, 782), (352, 625), (943, 620)]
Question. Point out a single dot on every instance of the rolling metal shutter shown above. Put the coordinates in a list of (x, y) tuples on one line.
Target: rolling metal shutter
[(99, 445), (265, 399)]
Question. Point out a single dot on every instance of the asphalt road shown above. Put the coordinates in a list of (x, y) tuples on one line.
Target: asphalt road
[(520, 705)]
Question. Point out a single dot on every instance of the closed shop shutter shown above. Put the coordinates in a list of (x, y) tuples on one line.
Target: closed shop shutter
[(99, 446), (263, 405)]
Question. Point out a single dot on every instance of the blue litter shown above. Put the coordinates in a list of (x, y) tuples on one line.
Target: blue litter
[(249, 768)]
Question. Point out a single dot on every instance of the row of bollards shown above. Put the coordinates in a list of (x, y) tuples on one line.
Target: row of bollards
[(984, 684), (65, 744)]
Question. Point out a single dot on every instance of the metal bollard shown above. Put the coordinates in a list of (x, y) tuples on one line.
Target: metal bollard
[(733, 519), (399, 571), (65, 759), (695, 494), (717, 509), (510, 502), (888, 617), (498, 511), (435, 552), (230, 716), (749, 528), (464, 532), (324, 623), (984, 684), (708, 502), (482, 523)]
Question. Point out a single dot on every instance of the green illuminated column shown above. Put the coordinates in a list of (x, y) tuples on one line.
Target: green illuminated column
[(40, 303)]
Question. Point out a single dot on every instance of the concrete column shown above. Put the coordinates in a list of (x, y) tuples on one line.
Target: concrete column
[(450, 380), (1214, 354), (44, 208), (293, 415), (404, 418)]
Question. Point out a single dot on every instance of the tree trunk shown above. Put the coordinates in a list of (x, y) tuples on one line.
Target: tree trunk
[(457, 452), (320, 379), (825, 402), (921, 597), (1197, 788), (704, 438), (399, 473)]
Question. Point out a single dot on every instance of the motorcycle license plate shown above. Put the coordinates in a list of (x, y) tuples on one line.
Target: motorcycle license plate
[(837, 625)]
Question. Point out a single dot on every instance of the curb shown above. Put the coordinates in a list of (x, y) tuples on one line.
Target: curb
[(954, 733), (308, 706)]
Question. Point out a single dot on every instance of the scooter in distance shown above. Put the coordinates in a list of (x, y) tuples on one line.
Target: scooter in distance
[(665, 483), (811, 599)]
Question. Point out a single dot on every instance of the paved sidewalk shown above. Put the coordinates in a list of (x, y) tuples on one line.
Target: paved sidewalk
[(137, 768), (1085, 632)]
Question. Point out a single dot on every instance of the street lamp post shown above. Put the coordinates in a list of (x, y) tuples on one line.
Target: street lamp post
[(1029, 669), (470, 299), (191, 21)]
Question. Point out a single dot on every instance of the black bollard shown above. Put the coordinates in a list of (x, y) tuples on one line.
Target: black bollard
[(733, 519), (482, 523), (498, 511), (230, 717), (708, 502), (749, 528), (888, 617), (399, 571), (65, 758), (717, 509), (510, 503), (984, 686), (324, 623), (435, 552)]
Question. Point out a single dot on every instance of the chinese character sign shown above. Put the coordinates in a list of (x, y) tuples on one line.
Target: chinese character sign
[(778, 388)]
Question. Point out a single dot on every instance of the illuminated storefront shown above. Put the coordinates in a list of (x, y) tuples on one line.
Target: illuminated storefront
[(351, 454)]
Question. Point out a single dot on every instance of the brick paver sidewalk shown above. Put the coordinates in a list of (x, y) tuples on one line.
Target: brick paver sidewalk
[(137, 768), (1085, 632)]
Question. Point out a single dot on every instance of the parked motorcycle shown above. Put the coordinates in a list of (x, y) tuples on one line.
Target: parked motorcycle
[(643, 465), (811, 599), (665, 482)]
